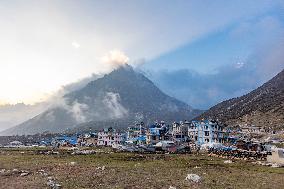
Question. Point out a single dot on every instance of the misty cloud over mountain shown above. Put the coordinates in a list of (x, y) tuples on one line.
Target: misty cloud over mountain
[(262, 107), (11, 115), (122, 96), (223, 65), (205, 90)]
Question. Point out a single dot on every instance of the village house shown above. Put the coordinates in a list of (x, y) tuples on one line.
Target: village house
[(277, 156), (88, 139), (136, 134), (206, 131), (179, 131), (65, 140), (157, 132), (252, 129), (15, 144), (109, 137)]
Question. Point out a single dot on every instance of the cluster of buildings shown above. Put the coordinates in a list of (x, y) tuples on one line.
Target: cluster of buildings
[(193, 132), (198, 132), (246, 141)]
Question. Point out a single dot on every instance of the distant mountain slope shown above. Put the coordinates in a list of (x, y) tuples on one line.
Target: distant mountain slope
[(11, 115), (119, 97), (264, 106)]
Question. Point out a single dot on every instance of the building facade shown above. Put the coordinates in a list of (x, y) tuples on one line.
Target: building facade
[(206, 131), (88, 139), (109, 137), (136, 134), (157, 132), (179, 131)]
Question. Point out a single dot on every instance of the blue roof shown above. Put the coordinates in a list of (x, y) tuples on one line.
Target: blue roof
[(155, 131), (141, 138), (71, 140)]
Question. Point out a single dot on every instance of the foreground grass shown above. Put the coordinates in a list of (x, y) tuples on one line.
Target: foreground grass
[(125, 170)]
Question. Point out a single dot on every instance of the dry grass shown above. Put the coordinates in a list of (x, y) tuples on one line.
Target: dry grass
[(125, 170)]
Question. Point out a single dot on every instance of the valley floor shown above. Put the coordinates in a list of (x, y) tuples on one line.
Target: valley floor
[(126, 170)]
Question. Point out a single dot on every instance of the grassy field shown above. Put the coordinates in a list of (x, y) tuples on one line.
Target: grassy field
[(126, 170)]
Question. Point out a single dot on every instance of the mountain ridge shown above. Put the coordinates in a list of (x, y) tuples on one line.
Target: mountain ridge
[(123, 95)]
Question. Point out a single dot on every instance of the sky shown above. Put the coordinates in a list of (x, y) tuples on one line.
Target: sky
[(201, 52), (225, 64)]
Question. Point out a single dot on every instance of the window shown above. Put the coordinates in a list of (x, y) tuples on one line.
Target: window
[(206, 133)]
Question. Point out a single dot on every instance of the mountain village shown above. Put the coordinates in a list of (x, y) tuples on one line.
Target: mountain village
[(247, 142), (142, 94)]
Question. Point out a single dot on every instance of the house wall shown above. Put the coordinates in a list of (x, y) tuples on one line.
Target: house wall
[(109, 138), (276, 157), (205, 132)]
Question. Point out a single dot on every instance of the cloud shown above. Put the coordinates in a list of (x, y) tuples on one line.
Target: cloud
[(106, 106), (75, 45), (239, 64), (78, 111), (271, 58), (77, 85), (50, 117), (116, 110), (115, 58), (39, 33), (11, 115), (264, 39), (267, 35), (205, 90)]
